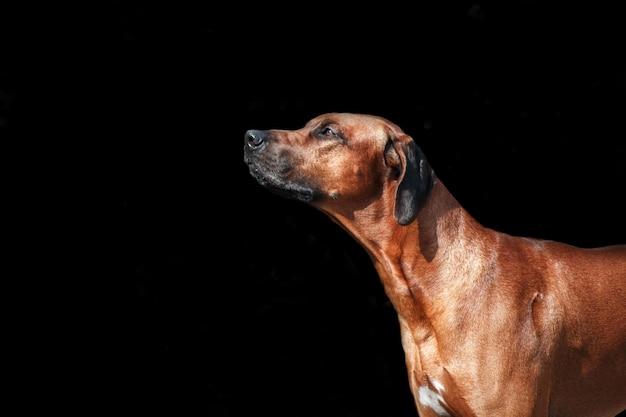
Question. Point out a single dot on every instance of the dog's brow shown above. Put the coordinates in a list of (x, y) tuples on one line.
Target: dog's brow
[(327, 122)]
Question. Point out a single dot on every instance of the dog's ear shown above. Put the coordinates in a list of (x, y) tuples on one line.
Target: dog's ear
[(415, 177)]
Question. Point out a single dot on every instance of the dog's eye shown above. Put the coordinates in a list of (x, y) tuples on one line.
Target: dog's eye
[(327, 132)]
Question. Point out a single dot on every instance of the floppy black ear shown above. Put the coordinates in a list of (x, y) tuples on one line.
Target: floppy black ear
[(415, 181)]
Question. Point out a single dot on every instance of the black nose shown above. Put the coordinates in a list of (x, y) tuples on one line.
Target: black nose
[(254, 138)]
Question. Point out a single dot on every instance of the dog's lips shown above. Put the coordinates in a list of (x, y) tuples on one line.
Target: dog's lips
[(277, 184)]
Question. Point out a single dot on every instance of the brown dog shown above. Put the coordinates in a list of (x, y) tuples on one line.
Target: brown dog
[(492, 324)]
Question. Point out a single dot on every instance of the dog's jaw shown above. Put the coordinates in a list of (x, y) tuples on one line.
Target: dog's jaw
[(272, 176)]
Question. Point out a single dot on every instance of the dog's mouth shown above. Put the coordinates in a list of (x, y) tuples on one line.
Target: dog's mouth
[(284, 189), (273, 179)]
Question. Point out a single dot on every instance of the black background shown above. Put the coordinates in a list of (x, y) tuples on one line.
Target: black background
[(156, 278)]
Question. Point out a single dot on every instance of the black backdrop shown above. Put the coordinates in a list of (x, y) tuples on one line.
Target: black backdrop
[(155, 277)]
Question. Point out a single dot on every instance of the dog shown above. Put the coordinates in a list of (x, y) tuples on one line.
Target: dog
[(491, 324)]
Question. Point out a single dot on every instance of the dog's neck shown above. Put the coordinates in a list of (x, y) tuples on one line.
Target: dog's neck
[(418, 265), (412, 261)]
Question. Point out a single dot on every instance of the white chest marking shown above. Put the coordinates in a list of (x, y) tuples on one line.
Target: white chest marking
[(433, 399)]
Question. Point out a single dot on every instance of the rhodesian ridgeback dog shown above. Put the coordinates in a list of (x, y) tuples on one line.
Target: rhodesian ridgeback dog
[(491, 324)]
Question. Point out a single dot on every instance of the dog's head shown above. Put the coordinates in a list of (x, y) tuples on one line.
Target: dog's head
[(342, 162)]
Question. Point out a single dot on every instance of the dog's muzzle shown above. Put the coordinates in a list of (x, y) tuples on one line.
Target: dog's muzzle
[(273, 170)]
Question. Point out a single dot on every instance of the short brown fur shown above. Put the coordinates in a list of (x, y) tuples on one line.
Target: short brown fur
[(491, 324)]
